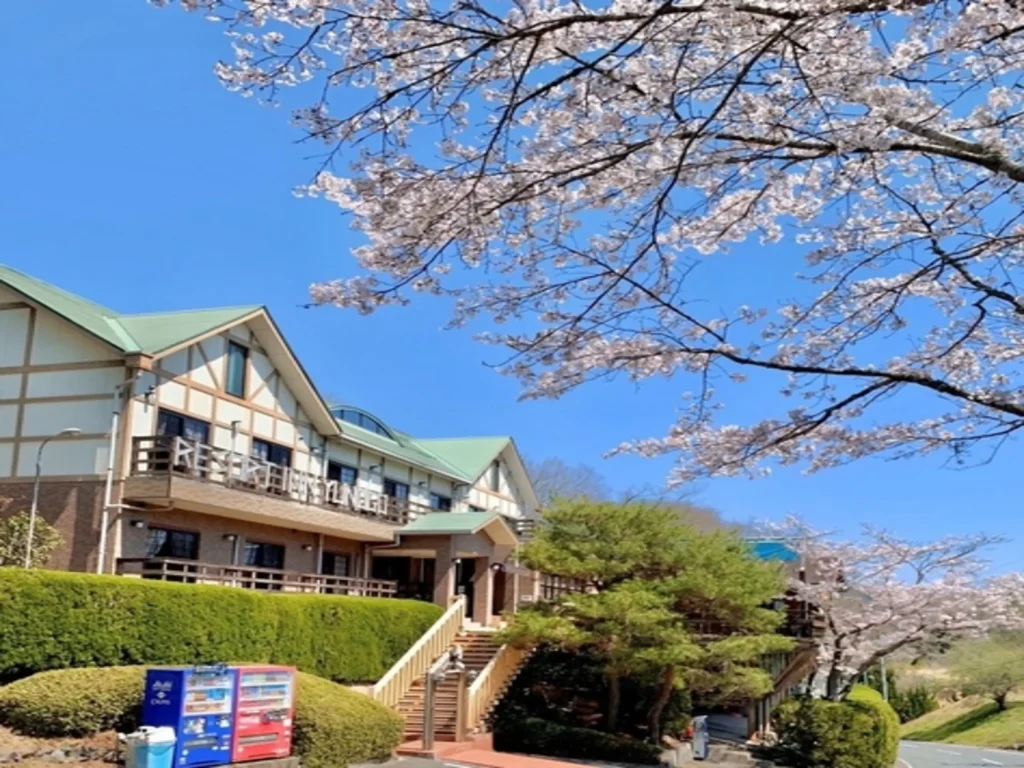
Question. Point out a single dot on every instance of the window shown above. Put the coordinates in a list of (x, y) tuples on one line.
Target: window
[(176, 425), (332, 564), (260, 555), (395, 489), (495, 480), (182, 545), (439, 502), (272, 453), (238, 356), (361, 419), (342, 473)]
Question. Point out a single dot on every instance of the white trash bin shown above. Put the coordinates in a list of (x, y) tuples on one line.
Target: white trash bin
[(149, 747)]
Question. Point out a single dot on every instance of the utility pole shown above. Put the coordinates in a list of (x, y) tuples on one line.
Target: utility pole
[(885, 681)]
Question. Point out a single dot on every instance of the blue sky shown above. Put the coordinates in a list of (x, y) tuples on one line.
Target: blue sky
[(131, 177)]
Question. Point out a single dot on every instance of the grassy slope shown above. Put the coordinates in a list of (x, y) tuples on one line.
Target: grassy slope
[(972, 721)]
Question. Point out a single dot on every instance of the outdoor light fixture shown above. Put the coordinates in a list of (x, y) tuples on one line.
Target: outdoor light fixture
[(307, 547), (497, 567), (230, 536), (422, 484), (373, 468), (138, 523), (66, 432)]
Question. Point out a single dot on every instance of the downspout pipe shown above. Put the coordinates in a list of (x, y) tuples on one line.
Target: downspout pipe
[(108, 490)]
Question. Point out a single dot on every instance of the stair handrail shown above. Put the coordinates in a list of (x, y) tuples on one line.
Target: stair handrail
[(415, 662), (490, 682)]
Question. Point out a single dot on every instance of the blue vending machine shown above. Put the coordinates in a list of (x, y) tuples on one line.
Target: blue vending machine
[(198, 703)]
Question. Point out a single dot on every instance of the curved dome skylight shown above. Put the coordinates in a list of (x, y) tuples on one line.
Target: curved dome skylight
[(361, 419)]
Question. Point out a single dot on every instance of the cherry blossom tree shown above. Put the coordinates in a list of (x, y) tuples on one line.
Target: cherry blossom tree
[(563, 168), (883, 595)]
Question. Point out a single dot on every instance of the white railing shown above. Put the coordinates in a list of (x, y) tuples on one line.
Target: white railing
[(491, 682), (176, 455), (390, 689)]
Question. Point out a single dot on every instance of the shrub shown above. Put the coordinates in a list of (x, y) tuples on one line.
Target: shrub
[(888, 721), (333, 725), (53, 620), (74, 702), (861, 732), (914, 703), (14, 534), (535, 736)]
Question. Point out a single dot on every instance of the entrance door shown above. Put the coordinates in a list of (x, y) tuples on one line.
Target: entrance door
[(465, 570)]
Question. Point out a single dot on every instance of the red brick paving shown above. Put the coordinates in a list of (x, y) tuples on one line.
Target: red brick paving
[(480, 752)]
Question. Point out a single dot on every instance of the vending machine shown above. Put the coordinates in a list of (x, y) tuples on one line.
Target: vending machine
[(197, 703), (265, 697)]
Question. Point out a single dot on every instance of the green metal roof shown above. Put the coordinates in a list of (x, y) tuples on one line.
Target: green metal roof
[(449, 522), (403, 447), (470, 455), (157, 332), (132, 334)]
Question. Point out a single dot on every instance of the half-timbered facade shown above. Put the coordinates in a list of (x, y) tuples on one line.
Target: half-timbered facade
[(201, 451)]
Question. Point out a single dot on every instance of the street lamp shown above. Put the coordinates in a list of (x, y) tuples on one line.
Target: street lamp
[(35, 490)]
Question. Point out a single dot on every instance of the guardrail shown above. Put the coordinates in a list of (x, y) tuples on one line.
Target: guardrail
[(491, 683), (249, 577), (390, 689)]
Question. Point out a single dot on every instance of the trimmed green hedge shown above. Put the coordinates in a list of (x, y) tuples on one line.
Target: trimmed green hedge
[(333, 725), (74, 702), (861, 732), (535, 736), (889, 720), (54, 620)]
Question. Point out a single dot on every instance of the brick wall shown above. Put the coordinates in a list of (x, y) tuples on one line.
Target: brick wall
[(73, 508)]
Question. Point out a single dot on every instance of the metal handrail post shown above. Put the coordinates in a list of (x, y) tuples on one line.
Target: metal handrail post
[(428, 712)]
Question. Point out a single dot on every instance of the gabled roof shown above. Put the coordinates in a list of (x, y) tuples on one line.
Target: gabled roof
[(454, 523), (162, 330), (470, 455), (131, 334)]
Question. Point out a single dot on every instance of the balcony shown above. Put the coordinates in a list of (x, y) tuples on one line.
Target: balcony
[(193, 475), (248, 577)]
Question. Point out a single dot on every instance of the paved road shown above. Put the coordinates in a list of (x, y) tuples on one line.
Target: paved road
[(916, 754)]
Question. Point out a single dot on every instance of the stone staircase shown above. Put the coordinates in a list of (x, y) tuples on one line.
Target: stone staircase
[(478, 649)]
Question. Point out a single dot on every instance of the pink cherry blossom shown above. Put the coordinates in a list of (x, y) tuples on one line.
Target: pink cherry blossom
[(563, 168)]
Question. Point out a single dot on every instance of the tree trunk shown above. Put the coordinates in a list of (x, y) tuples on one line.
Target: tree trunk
[(834, 690), (614, 697), (668, 680), (1001, 701)]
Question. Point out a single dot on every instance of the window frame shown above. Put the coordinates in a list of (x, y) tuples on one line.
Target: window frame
[(395, 485), (342, 467), (494, 481), (343, 556), (185, 419), (233, 345), (270, 453), (250, 543), (196, 537), (437, 498)]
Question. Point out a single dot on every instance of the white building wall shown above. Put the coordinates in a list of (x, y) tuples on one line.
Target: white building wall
[(191, 381), (508, 499), (53, 376)]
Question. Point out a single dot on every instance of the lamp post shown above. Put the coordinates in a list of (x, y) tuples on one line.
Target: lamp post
[(35, 491)]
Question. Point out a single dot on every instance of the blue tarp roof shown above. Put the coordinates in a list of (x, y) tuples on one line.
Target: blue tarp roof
[(774, 550)]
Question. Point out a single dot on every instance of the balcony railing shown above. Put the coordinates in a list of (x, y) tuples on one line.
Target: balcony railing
[(163, 455), (248, 577)]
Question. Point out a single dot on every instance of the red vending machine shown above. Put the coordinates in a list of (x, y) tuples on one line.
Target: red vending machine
[(264, 708)]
